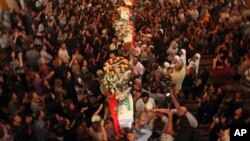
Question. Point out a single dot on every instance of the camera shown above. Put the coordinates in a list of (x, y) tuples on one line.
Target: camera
[(168, 100), (167, 94)]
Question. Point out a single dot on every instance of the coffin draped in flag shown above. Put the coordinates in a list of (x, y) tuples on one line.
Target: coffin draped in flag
[(117, 88)]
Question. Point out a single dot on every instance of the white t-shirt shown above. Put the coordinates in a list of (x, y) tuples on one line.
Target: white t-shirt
[(149, 105), (64, 55), (138, 69)]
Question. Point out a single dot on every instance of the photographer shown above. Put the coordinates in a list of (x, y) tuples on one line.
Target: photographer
[(182, 111), (168, 131), (183, 130), (179, 110)]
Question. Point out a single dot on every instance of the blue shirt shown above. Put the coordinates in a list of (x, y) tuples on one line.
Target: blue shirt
[(143, 134)]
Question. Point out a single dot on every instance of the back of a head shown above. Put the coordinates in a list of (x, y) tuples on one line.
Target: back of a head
[(181, 111), (95, 126), (184, 109), (185, 132), (184, 123)]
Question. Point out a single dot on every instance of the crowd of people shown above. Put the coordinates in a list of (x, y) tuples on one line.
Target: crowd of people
[(52, 56)]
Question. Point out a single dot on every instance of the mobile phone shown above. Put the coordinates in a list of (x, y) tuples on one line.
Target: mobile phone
[(167, 94)]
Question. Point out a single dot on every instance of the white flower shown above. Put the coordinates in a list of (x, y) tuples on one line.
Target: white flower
[(112, 90)]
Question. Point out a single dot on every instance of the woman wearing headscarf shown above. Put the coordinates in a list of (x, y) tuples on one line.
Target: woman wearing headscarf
[(195, 62), (172, 50), (179, 73), (183, 56)]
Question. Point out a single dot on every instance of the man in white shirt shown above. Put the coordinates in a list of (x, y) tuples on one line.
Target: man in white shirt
[(145, 102), (135, 51), (172, 50), (43, 53), (136, 67), (63, 54)]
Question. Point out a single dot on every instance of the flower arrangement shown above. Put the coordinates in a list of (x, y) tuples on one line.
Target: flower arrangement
[(123, 25), (122, 28), (116, 70)]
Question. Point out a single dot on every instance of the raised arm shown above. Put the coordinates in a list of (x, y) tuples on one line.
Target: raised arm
[(105, 136), (156, 96), (98, 110), (20, 58), (51, 74), (169, 129), (72, 60), (176, 103), (169, 125)]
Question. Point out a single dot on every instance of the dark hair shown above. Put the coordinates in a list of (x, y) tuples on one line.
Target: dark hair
[(13, 116), (144, 94), (137, 58), (109, 119), (96, 126)]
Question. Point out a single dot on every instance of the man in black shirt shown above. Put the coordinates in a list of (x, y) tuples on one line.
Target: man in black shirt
[(22, 130)]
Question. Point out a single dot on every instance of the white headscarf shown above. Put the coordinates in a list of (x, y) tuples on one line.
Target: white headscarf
[(178, 59), (197, 62), (183, 57), (166, 66)]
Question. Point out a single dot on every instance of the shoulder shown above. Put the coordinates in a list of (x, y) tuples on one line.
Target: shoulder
[(151, 100), (139, 101)]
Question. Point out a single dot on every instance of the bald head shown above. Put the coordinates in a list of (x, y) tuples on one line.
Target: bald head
[(138, 81), (182, 111)]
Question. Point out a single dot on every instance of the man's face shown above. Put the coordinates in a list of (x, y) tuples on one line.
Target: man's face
[(17, 119), (131, 136), (238, 97), (135, 61), (72, 106), (14, 97), (170, 70), (145, 99), (63, 46), (109, 124), (143, 120), (93, 100), (42, 114)]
